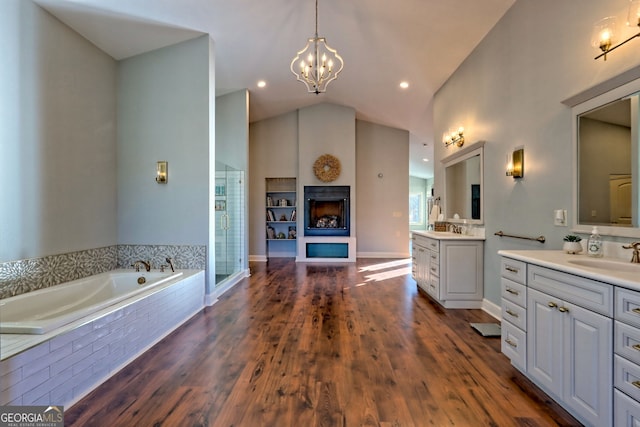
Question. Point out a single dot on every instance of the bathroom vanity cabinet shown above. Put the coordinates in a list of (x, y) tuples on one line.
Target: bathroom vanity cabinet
[(449, 267), (626, 366), (575, 332)]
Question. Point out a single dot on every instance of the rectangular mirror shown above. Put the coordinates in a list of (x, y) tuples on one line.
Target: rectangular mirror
[(605, 176), (605, 162), (464, 184)]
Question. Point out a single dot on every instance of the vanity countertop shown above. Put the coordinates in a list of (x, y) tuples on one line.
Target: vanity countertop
[(626, 275), (446, 235)]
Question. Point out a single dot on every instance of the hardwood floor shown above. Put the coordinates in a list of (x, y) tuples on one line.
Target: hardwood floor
[(322, 345)]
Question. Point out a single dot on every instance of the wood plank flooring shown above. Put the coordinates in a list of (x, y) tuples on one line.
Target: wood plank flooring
[(322, 345)]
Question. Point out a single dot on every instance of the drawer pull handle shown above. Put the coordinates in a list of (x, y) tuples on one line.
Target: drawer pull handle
[(636, 310), (636, 384), (636, 347), (552, 304), (511, 343), (433, 269), (563, 310), (511, 313), (512, 270), (512, 292), (433, 257)]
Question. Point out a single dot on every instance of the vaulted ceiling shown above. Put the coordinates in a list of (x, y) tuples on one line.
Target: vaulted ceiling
[(382, 43)]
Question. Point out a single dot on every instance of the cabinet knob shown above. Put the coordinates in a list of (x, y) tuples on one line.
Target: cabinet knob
[(636, 310), (636, 347), (512, 313), (563, 310), (636, 384), (552, 304)]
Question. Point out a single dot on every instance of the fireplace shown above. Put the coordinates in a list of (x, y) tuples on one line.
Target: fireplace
[(326, 210)]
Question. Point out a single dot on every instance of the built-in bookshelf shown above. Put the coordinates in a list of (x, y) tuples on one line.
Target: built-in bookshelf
[(281, 217)]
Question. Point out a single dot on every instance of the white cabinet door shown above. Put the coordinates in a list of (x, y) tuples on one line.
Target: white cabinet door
[(569, 354), (461, 270), (588, 363), (544, 341)]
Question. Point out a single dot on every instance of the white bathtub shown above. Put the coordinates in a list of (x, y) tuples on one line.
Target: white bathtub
[(41, 311)]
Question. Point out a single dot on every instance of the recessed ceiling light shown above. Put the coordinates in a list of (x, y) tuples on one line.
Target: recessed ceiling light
[(262, 83), (404, 85), (425, 160)]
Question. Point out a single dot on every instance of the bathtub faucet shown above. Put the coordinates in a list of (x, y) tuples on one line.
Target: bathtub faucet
[(136, 265), (170, 262)]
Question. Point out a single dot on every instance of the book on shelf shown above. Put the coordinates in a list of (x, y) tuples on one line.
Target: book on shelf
[(293, 215), (270, 215)]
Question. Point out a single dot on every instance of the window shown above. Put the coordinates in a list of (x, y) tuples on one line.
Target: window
[(416, 209)]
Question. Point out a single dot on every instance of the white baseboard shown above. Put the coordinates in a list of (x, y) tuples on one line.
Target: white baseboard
[(493, 309), (258, 258)]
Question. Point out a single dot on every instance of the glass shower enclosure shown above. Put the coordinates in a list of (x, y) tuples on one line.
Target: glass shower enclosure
[(229, 230)]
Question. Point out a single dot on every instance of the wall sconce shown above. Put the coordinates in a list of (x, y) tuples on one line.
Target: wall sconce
[(455, 137), (515, 163), (605, 30), (162, 174)]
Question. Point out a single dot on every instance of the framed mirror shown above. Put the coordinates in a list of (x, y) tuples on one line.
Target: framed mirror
[(605, 162), (463, 184)]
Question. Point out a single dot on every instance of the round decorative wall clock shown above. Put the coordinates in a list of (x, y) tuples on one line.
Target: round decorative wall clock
[(327, 168)]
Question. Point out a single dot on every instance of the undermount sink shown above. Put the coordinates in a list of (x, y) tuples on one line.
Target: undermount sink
[(604, 264)]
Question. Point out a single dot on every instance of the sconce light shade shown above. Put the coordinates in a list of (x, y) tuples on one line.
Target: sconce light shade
[(515, 163), (162, 172), (633, 16), (604, 33)]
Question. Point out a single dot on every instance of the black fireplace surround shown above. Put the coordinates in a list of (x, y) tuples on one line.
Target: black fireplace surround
[(326, 210)]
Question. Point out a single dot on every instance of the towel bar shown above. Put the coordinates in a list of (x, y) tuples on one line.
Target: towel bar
[(540, 239)]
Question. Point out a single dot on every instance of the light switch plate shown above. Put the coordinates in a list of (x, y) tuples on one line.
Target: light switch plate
[(560, 217)]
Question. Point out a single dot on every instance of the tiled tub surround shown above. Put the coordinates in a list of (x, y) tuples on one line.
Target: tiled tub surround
[(18, 277), (64, 365)]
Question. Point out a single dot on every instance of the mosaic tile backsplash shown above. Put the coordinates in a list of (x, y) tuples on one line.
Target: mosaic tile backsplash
[(19, 277)]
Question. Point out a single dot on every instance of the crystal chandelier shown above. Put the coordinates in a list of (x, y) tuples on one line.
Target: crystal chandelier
[(317, 64)]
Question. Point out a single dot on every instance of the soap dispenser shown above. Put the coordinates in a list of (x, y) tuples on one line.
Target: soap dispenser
[(594, 245)]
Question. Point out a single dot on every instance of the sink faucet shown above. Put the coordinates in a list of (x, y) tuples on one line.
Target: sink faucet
[(170, 262), (635, 258), (136, 265)]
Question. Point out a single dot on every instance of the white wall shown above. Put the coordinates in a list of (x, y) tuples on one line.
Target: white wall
[(383, 203), (163, 114), (273, 152), (57, 137), (508, 92), (232, 149)]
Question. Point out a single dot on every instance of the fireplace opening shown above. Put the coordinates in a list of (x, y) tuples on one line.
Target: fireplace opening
[(326, 211)]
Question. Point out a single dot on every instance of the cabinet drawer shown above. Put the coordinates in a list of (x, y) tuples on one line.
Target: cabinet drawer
[(514, 345), (586, 293), (514, 292), (434, 266), (434, 287), (627, 377), (627, 306), (514, 270), (433, 245), (626, 411), (626, 341), (514, 314)]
